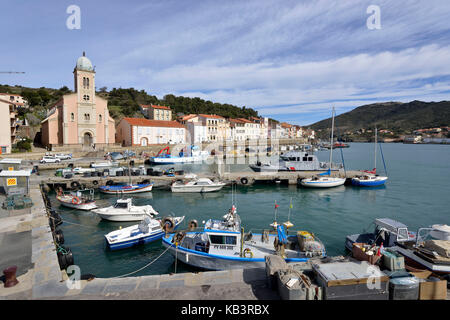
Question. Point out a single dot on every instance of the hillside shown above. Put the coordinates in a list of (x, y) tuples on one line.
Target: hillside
[(125, 102), (401, 118)]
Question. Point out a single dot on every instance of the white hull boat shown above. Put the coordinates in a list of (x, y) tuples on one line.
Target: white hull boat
[(126, 189), (107, 164), (77, 200), (322, 182), (124, 210), (197, 185), (148, 230)]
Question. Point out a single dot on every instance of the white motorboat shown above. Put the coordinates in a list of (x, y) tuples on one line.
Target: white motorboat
[(165, 157), (148, 230), (81, 199), (124, 210), (80, 170), (324, 180), (222, 245), (197, 185), (105, 164)]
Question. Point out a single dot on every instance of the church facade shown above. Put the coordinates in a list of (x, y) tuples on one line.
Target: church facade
[(80, 119)]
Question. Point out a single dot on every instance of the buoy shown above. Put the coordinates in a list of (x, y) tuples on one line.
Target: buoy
[(244, 180)]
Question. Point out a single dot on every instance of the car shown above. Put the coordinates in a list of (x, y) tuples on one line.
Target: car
[(63, 156), (49, 159)]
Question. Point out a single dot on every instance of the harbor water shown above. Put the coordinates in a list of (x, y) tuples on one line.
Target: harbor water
[(417, 194)]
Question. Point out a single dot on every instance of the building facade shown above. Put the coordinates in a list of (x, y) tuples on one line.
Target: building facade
[(143, 132), (9, 120), (79, 119), (154, 112)]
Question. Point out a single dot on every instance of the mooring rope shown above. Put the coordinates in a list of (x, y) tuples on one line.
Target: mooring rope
[(147, 265)]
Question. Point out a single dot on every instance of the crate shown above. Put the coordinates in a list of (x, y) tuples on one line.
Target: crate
[(393, 261), (361, 255), (433, 288)]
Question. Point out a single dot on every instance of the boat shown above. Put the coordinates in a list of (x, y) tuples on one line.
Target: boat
[(165, 157), (431, 250), (126, 188), (148, 230), (222, 245), (295, 160), (387, 231), (81, 199), (370, 177), (80, 170), (325, 180), (124, 210), (104, 164), (197, 185)]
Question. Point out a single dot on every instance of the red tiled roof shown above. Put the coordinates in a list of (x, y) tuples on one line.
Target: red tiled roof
[(213, 116), (141, 122), (189, 116), (12, 102), (10, 94), (286, 125), (155, 106), (245, 120), (236, 120)]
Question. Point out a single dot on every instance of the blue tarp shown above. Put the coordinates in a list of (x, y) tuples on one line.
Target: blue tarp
[(282, 236), (327, 173)]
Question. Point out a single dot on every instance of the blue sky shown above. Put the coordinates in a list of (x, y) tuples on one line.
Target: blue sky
[(290, 60)]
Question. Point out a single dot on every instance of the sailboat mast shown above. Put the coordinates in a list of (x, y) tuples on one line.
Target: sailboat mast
[(376, 138), (331, 142)]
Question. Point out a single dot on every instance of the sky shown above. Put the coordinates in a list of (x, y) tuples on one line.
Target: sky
[(289, 60)]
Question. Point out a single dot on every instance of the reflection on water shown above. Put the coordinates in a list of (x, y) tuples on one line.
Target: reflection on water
[(330, 213)]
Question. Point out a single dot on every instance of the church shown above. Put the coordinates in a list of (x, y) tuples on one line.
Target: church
[(79, 120)]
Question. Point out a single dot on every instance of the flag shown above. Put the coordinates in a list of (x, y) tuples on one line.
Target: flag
[(290, 206), (276, 206)]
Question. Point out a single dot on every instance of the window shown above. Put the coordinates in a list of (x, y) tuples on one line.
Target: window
[(215, 239), (72, 117), (87, 116), (99, 118), (87, 84), (305, 159), (310, 159)]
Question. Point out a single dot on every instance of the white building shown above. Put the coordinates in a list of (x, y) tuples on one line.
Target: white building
[(9, 120), (142, 132)]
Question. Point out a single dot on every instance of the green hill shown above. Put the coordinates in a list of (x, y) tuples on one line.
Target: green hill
[(401, 118), (125, 102)]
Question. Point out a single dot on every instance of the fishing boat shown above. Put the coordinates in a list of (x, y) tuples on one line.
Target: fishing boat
[(431, 250), (325, 180), (127, 188), (385, 230), (370, 178), (124, 210), (197, 185), (81, 199), (148, 230), (223, 245), (165, 157)]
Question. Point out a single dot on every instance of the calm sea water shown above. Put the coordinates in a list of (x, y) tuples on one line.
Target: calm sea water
[(417, 194)]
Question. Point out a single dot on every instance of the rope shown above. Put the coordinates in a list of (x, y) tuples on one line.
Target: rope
[(65, 221), (382, 157), (147, 265)]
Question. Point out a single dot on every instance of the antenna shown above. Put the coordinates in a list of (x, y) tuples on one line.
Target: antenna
[(12, 72)]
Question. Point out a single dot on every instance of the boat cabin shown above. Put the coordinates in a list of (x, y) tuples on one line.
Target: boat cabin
[(123, 204), (387, 231)]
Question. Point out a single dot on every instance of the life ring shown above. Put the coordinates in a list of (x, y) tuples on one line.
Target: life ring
[(244, 180), (95, 182), (76, 200), (249, 252), (193, 224), (132, 163)]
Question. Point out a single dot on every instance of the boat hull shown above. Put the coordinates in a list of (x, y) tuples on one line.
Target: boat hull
[(175, 160), (196, 189), (207, 261), (118, 190), (83, 206), (369, 183), (137, 241), (322, 184), (121, 217)]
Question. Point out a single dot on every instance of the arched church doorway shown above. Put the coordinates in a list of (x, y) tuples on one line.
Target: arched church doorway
[(87, 140), (144, 142)]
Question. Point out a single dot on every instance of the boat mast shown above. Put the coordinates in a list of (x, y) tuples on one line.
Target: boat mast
[(331, 142), (376, 138)]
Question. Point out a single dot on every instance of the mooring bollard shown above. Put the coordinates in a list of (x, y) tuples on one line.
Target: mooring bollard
[(10, 276)]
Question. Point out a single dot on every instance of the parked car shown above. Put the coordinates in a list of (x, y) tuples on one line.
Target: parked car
[(63, 156), (49, 159)]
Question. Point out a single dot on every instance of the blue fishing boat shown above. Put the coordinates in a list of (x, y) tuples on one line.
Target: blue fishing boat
[(148, 230), (165, 157), (127, 188), (370, 178), (223, 245)]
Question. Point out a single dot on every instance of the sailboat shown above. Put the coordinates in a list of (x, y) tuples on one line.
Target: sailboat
[(370, 178), (325, 180)]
